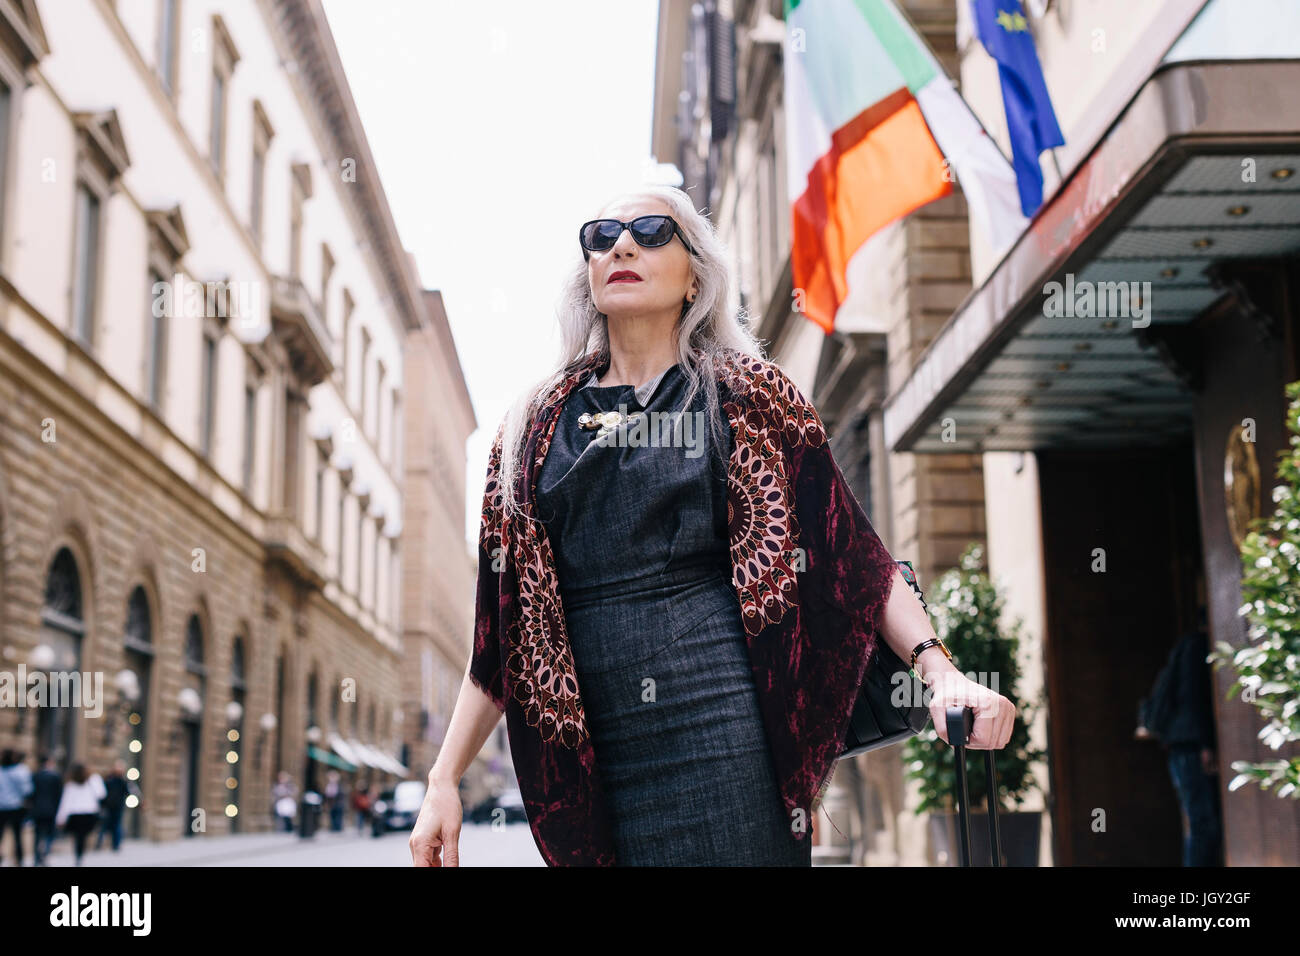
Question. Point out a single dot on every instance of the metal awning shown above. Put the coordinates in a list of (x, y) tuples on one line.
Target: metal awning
[(1201, 168)]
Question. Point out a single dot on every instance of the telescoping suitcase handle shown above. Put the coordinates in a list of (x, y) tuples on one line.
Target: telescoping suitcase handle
[(960, 721)]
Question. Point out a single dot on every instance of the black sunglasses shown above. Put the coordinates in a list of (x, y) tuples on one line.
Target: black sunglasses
[(599, 235)]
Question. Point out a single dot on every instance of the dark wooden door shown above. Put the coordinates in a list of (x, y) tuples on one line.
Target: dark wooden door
[(1108, 634)]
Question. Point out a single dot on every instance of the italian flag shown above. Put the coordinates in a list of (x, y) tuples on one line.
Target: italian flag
[(874, 130)]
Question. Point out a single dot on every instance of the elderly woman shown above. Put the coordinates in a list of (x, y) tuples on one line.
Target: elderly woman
[(678, 594)]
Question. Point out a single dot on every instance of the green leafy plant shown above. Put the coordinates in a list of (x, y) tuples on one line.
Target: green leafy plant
[(965, 610), (1268, 667)]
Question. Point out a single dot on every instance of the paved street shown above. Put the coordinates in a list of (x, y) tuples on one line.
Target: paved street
[(480, 845)]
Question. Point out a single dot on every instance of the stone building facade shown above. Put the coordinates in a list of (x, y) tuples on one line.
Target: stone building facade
[(204, 310)]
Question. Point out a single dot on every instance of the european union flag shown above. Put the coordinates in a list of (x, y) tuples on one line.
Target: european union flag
[(1004, 31)]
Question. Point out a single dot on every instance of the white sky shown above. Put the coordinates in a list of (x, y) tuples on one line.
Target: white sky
[(480, 113)]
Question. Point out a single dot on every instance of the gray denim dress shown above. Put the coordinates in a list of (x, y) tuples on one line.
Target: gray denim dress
[(639, 534)]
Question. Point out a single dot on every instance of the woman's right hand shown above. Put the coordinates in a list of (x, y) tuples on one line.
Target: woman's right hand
[(438, 828)]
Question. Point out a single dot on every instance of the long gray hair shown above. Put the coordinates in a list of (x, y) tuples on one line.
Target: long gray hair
[(709, 327)]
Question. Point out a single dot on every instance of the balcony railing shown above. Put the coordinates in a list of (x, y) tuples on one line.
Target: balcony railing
[(298, 324), (286, 544)]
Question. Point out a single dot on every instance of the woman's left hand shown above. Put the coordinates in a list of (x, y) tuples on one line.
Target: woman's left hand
[(994, 715)]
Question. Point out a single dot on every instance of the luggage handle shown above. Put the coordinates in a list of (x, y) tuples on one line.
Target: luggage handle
[(960, 721)]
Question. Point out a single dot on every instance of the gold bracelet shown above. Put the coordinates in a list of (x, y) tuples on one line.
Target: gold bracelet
[(932, 642)]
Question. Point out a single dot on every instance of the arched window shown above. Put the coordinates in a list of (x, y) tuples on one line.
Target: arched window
[(312, 692), (63, 629), (279, 712), (334, 705), (313, 696), (235, 731), (133, 688), (193, 696), (194, 645)]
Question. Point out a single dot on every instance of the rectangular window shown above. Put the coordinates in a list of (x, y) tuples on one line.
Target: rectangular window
[(766, 226), (394, 588), (395, 451), (295, 229), (157, 320), (361, 544), (379, 407), (391, 409), (343, 511), (776, 252), (365, 380), (262, 134), (348, 306), (209, 386), (6, 110), (217, 123), (250, 435), (326, 270), (258, 190), (86, 277), (224, 58), (320, 498), (292, 452), (167, 45)]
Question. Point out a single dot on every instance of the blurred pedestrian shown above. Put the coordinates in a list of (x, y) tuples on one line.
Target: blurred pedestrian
[(118, 789), (334, 800), (1179, 714), (284, 796), (46, 793), (15, 788), (79, 807), (361, 803)]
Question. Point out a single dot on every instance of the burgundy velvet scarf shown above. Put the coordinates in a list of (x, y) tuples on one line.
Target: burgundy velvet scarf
[(812, 576)]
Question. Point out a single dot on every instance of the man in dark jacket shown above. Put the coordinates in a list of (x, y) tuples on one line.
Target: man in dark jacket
[(117, 789), (1184, 724), (47, 789)]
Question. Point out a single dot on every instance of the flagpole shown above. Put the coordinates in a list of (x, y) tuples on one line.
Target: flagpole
[(902, 15), (1056, 163)]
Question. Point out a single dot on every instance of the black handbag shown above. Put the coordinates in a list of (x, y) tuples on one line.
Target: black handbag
[(876, 720)]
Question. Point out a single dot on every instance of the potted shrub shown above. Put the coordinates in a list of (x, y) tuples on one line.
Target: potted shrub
[(966, 610), (1268, 677)]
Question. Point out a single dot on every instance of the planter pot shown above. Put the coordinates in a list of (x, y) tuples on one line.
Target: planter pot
[(1020, 833)]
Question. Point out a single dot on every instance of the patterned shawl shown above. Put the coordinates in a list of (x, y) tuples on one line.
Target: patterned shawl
[(812, 576)]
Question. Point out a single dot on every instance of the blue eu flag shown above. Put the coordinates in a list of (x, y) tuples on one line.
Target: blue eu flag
[(1004, 31)]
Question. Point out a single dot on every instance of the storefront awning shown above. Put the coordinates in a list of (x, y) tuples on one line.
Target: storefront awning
[(326, 757), (376, 758), (1202, 168), (364, 756), (399, 768), (340, 747)]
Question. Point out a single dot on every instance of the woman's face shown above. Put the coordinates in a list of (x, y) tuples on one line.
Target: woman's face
[(664, 276)]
